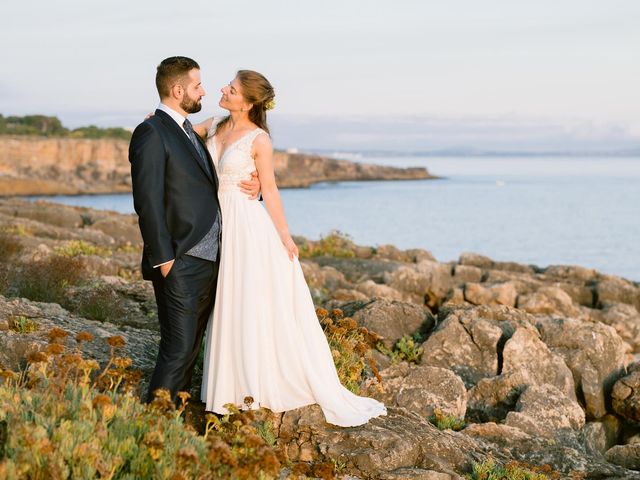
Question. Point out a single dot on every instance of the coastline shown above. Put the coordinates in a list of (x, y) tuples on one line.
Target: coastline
[(70, 166)]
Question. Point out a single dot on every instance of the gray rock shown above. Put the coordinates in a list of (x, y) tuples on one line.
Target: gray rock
[(496, 294), (549, 300), (625, 319), (599, 436), (612, 289), (422, 389), (543, 410), (627, 456), (426, 282), (389, 318), (625, 395), (595, 353)]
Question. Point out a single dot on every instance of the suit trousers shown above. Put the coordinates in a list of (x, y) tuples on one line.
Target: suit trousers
[(185, 299)]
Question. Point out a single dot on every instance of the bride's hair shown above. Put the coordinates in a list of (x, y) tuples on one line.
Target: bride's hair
[(256, 90)]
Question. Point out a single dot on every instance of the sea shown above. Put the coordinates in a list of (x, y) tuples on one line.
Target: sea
[(532, 210)]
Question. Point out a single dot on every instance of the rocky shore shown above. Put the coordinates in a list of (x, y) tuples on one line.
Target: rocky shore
[(69, 166), (532, 365)]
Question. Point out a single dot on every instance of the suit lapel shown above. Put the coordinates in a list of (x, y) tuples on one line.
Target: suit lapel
[(172, 125)]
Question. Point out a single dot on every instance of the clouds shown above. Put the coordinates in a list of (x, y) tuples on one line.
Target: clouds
[(552, 59)]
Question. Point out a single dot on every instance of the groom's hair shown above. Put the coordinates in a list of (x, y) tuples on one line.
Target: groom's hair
[(170, 71)]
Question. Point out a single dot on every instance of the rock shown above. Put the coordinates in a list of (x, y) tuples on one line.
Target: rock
[(625, 396), (390, 318), (422, 389), (122, 232), (612, 289), (344, 296), (418, 474), (385, 445), (390, 252), (579, 294), (570, 272), (543, 410), (526, 361), (548, 300), (524, 351), (372, 289), (499, 433), (625, 319), (356, 270), (426, 282), (601, 435), (595, 353), (465, 345), (322, 277), (475, 260), (627, 456), (466, 273), (497, 294)]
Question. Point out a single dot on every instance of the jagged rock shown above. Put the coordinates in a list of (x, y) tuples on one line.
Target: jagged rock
[(123, 230), (426, 282), (372, 289), (343, 295), (601, 435), (466, 273), (595, 353), (625, 395), (526, 361), (496, 294), (571, 272), (543, 410), (580, 294), (401, 440), (625, 319), (612, 289), (475, 260), (422, 389), (466, 345), (418, 474), (498, 433), (357, 270), (627, 456), (322, 277), (548, 300), (389, 318)]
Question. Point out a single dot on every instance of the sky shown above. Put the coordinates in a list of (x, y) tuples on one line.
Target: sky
[(573, 64)]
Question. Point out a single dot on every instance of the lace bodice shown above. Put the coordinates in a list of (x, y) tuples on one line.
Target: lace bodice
[(236, 162)]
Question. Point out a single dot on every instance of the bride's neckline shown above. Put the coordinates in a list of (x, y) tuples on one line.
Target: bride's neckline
[(222, 153)]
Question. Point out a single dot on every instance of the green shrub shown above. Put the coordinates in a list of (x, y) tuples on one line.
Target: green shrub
[(336, 244), (74, 248), (406, 348), (492, 470), (444, 421), (22, 324)]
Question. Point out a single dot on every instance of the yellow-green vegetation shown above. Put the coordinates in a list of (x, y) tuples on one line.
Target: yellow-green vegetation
[(73, 248), (493, 470), (336, 244), (406, 348), (70, 418), (19, 230), (350, 346), (22, 324), (445, 421)]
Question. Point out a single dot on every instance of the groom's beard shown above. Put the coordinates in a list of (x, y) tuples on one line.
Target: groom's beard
[(190, 105)]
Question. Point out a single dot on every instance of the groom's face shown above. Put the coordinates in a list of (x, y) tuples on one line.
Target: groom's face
[(192, 92)]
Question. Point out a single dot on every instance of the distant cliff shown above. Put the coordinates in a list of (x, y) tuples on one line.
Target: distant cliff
[(68, 166)]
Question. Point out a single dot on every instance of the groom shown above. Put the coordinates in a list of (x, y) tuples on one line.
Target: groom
[(175, 194)]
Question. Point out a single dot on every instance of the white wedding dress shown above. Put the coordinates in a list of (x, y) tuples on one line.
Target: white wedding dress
[(264, 340)]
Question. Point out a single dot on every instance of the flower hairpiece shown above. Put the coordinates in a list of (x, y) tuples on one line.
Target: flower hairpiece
[(270, 105)]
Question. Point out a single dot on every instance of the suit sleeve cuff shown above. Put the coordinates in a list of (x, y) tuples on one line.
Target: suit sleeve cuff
[(160, 264)]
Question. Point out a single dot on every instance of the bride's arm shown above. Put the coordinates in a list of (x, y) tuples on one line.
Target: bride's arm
[(263, 155), (203, 127)]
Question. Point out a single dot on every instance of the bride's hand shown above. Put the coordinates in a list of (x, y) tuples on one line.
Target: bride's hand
[(289, 245)]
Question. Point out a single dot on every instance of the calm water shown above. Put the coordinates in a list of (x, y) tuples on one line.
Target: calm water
[(530, 210)]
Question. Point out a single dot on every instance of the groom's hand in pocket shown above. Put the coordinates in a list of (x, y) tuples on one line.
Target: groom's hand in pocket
[(251, 187), (165, 268)]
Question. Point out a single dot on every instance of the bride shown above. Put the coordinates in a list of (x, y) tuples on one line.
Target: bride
[(263, 340)]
